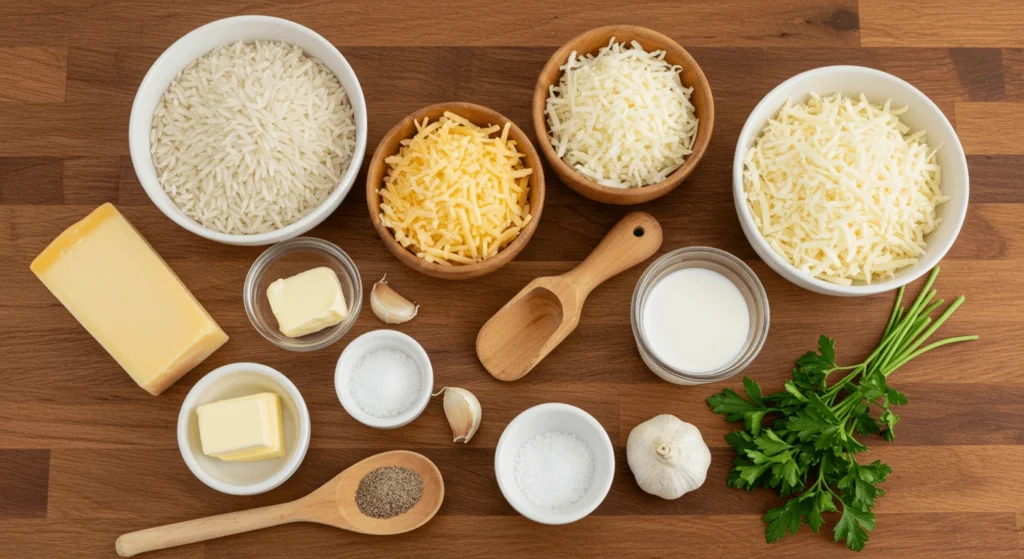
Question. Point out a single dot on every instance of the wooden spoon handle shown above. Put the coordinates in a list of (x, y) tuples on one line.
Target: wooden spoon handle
[(202, 529), (634, 238)]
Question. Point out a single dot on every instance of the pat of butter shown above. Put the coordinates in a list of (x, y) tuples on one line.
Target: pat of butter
[(307, 302), (127, 297), (245, 429)]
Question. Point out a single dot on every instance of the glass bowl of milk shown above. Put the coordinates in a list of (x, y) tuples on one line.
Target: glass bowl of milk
[(699, 315)]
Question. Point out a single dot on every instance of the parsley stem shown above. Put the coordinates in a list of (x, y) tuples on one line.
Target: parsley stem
[(895, 310), (928, 333), (927, 348)]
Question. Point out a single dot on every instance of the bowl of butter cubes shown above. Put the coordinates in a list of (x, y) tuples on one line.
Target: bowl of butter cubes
[(303, 294), (243, 429)]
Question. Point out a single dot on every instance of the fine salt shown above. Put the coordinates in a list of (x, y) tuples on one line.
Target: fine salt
[(554, 470), (386, 382)]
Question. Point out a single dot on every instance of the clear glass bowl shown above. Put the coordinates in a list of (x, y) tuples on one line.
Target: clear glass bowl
[(732, 268), (292, 257)]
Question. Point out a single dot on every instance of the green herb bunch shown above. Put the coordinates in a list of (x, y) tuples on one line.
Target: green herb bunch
[(802, 441)]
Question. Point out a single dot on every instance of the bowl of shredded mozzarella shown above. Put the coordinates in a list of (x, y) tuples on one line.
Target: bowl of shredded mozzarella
[(249, 130), (849, 181), (623, 114)]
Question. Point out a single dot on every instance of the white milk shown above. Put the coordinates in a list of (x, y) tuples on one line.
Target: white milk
[(696, 320)]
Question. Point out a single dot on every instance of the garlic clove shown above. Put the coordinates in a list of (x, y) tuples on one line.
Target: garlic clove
[(389, 306), (463, 412)]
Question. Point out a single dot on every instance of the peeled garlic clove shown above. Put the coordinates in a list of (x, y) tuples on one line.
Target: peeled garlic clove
[(463, 412), (389, 306)]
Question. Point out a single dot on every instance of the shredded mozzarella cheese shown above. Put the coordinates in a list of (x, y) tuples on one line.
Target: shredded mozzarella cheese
[(454, 194), (621, 118), (841, 189)]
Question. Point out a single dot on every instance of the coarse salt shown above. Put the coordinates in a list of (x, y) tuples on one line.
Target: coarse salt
[(386, 382), (554, 469)]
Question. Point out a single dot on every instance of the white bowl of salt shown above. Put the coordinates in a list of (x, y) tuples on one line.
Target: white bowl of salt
[(554, 463), (384, 379)]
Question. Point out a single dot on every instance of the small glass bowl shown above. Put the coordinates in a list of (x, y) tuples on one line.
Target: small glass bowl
[(727, 265), (287, 259)]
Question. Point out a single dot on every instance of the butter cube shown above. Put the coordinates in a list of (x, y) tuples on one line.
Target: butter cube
[(245, 429), (128, 298), (307, 302)]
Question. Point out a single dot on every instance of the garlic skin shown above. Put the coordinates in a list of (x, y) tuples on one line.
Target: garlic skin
[(667, 456), (463, 412), (389, 306)]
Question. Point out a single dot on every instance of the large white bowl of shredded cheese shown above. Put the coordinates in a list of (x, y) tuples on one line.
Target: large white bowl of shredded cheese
[(878, 88)]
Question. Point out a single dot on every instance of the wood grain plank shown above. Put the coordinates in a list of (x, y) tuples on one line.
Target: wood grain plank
[(991, 128), (66, 130), (929, 23), (24, 485), (981, 71), (31, 180), (910, 536), (71, 540), (1013, 74), (91, 180), (996, 178), (33, 74), (729, 22), (917, 485)]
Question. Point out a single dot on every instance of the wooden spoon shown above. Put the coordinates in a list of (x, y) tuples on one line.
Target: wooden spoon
[(548, 309), (332, 504)]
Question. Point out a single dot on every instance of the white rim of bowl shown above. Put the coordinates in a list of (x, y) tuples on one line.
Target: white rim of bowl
[(553, 518), (294, 460), (306, 222), (397, 340), (804, 279)]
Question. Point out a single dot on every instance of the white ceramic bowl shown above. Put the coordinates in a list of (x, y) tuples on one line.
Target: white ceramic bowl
[(203, 40), (879, 87), (373, 341), (546, 418), (244, 478)]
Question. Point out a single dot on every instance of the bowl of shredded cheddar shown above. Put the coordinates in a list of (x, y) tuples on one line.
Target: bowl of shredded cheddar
[(455, 190)]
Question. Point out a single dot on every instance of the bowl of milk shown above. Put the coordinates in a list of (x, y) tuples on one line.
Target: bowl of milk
[(699, 315)]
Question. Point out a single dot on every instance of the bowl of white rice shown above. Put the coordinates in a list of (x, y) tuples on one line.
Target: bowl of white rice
[(249, 130)]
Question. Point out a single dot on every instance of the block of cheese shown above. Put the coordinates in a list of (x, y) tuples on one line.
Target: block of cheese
[(127, 297), (245, 429), (307, 302)]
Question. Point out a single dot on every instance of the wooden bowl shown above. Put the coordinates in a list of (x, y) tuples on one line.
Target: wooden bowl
[(589, 43), (481, 116)]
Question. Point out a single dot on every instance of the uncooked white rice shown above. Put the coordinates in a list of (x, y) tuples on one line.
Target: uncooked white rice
[(251, 137)]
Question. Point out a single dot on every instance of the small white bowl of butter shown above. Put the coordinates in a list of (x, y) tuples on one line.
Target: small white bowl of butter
[(235, 381)]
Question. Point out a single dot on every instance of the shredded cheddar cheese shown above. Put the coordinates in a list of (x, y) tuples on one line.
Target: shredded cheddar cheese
[(456, 193), (841, 189)]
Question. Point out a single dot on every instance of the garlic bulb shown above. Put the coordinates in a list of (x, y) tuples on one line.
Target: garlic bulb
[(389, 306), (463, 412), (667, 456)]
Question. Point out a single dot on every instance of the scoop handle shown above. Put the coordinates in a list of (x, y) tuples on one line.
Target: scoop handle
[(202, 529), (632, 240)]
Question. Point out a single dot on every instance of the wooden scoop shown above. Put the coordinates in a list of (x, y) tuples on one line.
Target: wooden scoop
[(547, 310), (332, 504)]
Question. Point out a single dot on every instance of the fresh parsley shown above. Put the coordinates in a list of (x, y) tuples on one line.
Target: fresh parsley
[(802, 441)]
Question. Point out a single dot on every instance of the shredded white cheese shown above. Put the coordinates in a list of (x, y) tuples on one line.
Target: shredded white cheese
[(840, 189), (456, 193), (621, 118)]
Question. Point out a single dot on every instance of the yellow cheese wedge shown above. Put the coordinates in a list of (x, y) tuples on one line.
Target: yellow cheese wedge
[(245, 429), (127, 297)]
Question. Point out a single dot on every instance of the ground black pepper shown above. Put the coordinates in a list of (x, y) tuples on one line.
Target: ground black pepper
[(388, 492)]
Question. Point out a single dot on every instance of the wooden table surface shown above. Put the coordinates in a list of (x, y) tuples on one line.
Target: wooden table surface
[(85, 454)]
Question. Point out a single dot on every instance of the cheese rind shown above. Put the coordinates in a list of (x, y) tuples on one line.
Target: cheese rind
[(307, 302), (246, 429), (106, 274)]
